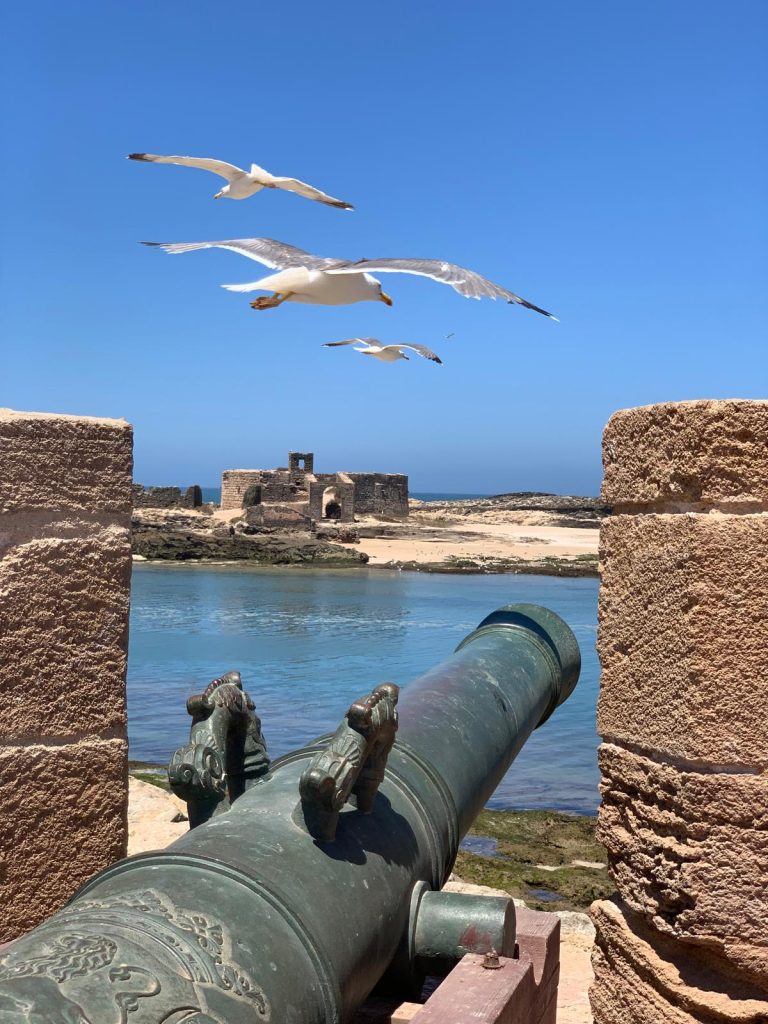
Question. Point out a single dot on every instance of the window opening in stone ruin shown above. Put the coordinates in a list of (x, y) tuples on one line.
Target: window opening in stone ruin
[(331, 503)]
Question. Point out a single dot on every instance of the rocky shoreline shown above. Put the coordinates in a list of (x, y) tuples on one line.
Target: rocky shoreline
[(530, 533), (167, 535)]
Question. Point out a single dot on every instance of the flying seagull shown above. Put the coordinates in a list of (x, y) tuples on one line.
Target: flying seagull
[(240, 183), (324, 281), (386, 353)]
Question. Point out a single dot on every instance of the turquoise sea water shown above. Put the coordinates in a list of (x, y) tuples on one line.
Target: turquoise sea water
[(309, 642)]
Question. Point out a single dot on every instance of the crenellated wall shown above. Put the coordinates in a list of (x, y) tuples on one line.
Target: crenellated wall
[(65, 567), (683, 714)]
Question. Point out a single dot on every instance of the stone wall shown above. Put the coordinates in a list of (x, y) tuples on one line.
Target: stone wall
[(278, 517), (65, 563), (166, 497), (276, 491), (307, 460), (345, 495), (683, 713), (380, 493), (234, 484)]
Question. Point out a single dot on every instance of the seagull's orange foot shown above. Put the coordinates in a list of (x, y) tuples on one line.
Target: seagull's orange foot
[(270, 301), (266, 302)]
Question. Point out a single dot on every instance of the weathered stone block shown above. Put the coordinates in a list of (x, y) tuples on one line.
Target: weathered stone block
[(64, 819), (63, 633), (52, 463), (708, 452), (682, 637), (688, 849), (645, 978)]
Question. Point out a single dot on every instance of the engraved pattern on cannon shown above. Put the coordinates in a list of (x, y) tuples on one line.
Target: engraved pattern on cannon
[(226, 750), (353, 762), (87, 977)]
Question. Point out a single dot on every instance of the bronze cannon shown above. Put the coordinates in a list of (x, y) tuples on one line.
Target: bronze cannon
[(306, 881)]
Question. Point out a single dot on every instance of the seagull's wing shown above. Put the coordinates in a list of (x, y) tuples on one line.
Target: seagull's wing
[(301, 188), (220, 167), (422, 351), (352, 341), (465, 282), (276, 255)]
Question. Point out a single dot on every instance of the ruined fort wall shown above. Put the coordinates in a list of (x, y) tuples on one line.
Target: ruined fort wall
[(234, 484), (65, 563), (380, 493), (166, 497), (683, 714), (276, 485)]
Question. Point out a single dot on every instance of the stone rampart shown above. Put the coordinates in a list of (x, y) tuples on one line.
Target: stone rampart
[(65, 564), (234, 484), (166, 497), (683, 713), (380, 493)]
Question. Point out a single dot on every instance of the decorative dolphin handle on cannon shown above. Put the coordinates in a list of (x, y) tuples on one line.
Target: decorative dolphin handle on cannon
[(325, 872)]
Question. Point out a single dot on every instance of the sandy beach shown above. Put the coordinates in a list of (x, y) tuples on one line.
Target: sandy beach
[(432, 538), (513, 533)]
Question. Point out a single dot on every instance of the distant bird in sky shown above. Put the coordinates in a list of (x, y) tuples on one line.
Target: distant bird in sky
[(386, 353), (325, 281), (242, 184)]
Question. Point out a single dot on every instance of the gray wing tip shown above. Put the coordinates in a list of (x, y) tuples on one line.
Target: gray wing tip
[(138, 156)]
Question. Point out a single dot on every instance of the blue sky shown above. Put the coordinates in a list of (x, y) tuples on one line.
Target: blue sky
[(605, 160)]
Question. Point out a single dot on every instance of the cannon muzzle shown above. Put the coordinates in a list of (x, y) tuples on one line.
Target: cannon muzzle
[(303, 881)]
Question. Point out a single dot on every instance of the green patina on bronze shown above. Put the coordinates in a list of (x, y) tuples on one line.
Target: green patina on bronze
[(249, 917)]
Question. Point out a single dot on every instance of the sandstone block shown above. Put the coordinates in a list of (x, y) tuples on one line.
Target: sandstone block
[(645, 978), (689, 851), (52, 462), (708, 452), (682, 637), (64, 819), (63, 635)]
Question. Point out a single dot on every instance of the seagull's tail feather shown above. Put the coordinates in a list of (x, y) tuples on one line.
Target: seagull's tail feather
[(250, 286)]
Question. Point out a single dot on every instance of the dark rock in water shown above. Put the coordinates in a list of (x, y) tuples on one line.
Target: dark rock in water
[(180, 538)]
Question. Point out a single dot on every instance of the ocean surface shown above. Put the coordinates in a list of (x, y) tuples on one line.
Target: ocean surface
[(309, 642), (214, 494)]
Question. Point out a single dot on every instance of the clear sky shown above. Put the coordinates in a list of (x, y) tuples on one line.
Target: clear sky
[(606, 160)]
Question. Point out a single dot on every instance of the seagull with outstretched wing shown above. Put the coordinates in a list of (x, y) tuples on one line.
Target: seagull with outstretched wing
[(386, 353), (322, 280), (242, 184)]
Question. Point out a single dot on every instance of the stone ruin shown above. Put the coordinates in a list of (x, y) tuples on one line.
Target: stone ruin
[(166, 497), (295, 496)]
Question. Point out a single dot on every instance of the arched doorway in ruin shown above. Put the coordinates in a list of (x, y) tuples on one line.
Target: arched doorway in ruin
[(331, 503)]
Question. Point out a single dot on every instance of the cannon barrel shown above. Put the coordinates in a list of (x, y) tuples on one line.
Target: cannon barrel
[(291, 905)]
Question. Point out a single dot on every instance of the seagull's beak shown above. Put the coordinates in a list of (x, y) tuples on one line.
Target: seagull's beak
[(385, 298)]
